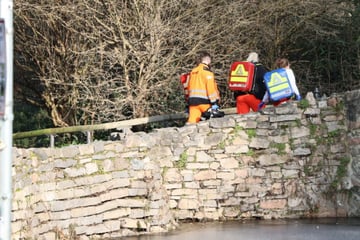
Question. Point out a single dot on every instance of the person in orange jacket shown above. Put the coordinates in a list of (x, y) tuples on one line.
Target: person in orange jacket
[(203, 90), (251, 100)]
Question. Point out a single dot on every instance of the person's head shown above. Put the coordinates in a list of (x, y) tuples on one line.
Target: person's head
[(253, 57), (204, 57), (282, 63)]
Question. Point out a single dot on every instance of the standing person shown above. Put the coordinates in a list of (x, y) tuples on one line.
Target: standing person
[(251, 100), (285, 64), (203, 90)]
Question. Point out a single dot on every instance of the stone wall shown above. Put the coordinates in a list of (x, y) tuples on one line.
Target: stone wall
[(352, 111), (286, 162)]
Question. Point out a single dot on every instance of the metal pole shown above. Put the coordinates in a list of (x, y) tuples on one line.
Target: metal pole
[(6, 121)]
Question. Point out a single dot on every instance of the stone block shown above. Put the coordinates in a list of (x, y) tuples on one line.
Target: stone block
[(250, 124), (184, 214), (187, 175), (91, 168), (65, 163), (137, 213), (132, 223), (273, 204), (302, 152), (229, 163), (86, 149), (234, 149), (273, 159), (208, 194), (231, 201), (187, 204), (312, 112), (298, 132), (284, 118), (116, 213), (195, 165), (184, 192), (214, 183), (201, 156), (242, 173), (210, 204), (214, 139), (225, 175), (70, 151), (116, 194), (276, 175), (220, 123), (205, 175), (259, 143), (257, 172), (140, 203), (333, 126), (192, 185), (322, 104), (172, 175), (75, 172), (231, 212), (133, 192)]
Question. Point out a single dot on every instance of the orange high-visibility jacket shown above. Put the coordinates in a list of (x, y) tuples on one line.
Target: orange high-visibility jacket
[(202, 86)]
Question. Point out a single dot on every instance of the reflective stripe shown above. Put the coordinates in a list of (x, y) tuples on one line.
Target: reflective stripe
[(214, 95), (199, 96), (198, 90), (276, 79), (279, 87), (239, 79)]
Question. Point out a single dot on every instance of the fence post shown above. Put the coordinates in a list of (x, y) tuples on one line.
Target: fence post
[(52, 140), (89, 135)]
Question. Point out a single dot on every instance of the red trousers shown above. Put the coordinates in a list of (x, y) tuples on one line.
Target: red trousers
[(245, 102)]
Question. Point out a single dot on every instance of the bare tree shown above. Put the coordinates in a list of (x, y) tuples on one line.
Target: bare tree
[(91, 61)]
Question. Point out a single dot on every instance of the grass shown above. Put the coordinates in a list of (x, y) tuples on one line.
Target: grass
[(251, 133), (303, 104), (181, 164)]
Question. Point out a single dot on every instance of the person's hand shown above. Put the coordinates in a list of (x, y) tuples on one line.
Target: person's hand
[(298, 97), (261, 105), (215, 107)]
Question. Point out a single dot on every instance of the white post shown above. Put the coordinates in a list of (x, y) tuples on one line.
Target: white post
[(6, 119)]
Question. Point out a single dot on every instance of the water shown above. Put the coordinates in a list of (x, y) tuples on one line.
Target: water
[(306, 229)]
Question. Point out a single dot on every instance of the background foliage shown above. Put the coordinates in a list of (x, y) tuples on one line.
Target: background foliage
[(96, 61)]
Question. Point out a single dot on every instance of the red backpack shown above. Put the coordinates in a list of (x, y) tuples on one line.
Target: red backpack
[(184, 79), (241, 76)]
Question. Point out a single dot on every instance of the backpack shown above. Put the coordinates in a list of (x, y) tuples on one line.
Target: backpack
[(210, 113), (241, 76), (184, 79), (278, 85)]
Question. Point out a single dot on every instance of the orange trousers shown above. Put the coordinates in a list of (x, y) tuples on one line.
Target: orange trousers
[(196, 111), (246, 102)]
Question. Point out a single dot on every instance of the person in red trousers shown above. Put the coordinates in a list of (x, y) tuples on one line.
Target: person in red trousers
[(251, 100)]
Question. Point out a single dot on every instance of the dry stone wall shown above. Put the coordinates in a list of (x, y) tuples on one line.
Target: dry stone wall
[(286, 162)]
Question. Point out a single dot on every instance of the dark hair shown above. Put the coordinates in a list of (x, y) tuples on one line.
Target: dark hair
[(282, 62), (202, 55)]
